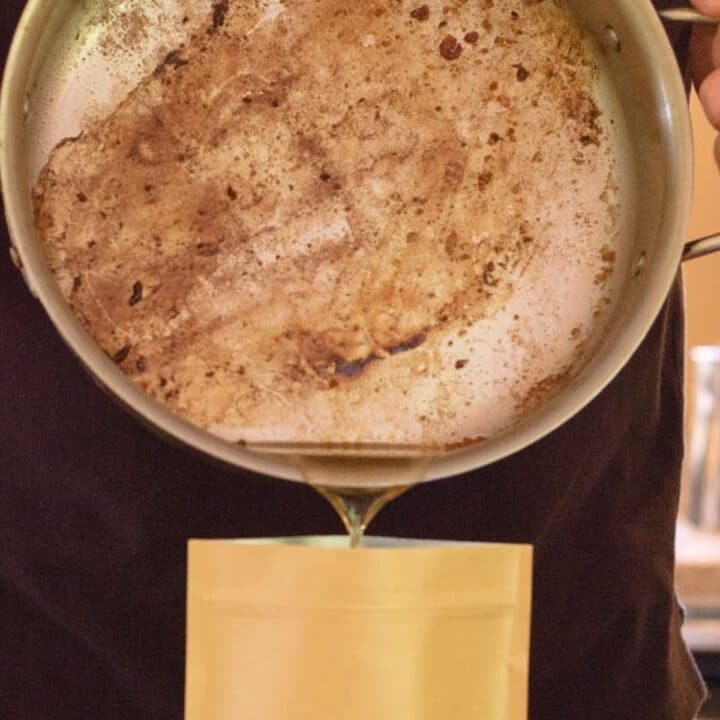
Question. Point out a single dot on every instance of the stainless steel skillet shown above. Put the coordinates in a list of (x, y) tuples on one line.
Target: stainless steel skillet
[(43, 63)]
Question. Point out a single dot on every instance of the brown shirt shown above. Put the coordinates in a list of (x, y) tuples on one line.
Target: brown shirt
[(95, 513)]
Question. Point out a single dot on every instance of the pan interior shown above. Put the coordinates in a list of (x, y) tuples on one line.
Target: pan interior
[(465, 370)]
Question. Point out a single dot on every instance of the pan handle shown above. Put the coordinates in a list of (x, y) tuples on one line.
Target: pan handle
[(702, 246), (688, 15)]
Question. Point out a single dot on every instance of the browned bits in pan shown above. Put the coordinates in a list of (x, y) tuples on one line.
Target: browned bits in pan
[(427, 241), (207, 250), (484, 179), (122, 354), (421, 13), (522, 73), (450, 48), (173, 59), (137, 294), (220, 10)]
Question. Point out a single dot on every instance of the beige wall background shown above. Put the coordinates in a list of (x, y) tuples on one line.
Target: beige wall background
[(702, 276)]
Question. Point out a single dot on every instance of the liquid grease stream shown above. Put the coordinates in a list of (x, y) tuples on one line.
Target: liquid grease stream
[(358, 507), (360, 487)]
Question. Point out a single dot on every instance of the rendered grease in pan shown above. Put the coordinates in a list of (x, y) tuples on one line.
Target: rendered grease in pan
[(331, 221)]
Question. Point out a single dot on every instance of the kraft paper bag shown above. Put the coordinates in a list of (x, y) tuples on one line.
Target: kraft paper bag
[(307, 629)]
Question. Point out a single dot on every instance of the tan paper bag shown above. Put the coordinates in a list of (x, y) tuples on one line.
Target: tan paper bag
[(306, 629)]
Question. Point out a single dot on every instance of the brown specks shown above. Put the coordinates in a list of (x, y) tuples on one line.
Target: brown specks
[(420, 13), (122, 354), (460, 364), (494, 138), (451, 244), (353, 368), (141, 364), (522, 73), (450, 48), (220, 10), (77, 283), (172, 59), (484, 179), (208, 249), (82, 197), (544, 388), (466, 442), (608, 256), (231, 192), (137, 294), (454, 173), (325, 176), (603, 276), (488, 275), (410, 344), (472, 37)]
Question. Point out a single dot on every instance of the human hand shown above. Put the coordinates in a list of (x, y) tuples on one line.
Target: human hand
[(705, 65)]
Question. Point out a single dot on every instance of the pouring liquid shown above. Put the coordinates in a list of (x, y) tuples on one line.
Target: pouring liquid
[(358, 507), (360, 487)]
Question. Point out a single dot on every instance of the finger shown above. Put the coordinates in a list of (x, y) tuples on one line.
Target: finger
[(708, 7), (701, 53), (715, 47), (709, 93)]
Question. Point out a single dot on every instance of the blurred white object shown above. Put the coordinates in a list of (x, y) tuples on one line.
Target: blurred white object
[(704, 455)]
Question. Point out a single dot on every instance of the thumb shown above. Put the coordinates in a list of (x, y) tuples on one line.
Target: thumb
[(708, 7)]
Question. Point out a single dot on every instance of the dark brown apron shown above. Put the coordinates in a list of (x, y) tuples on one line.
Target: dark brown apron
[(95, 513)]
